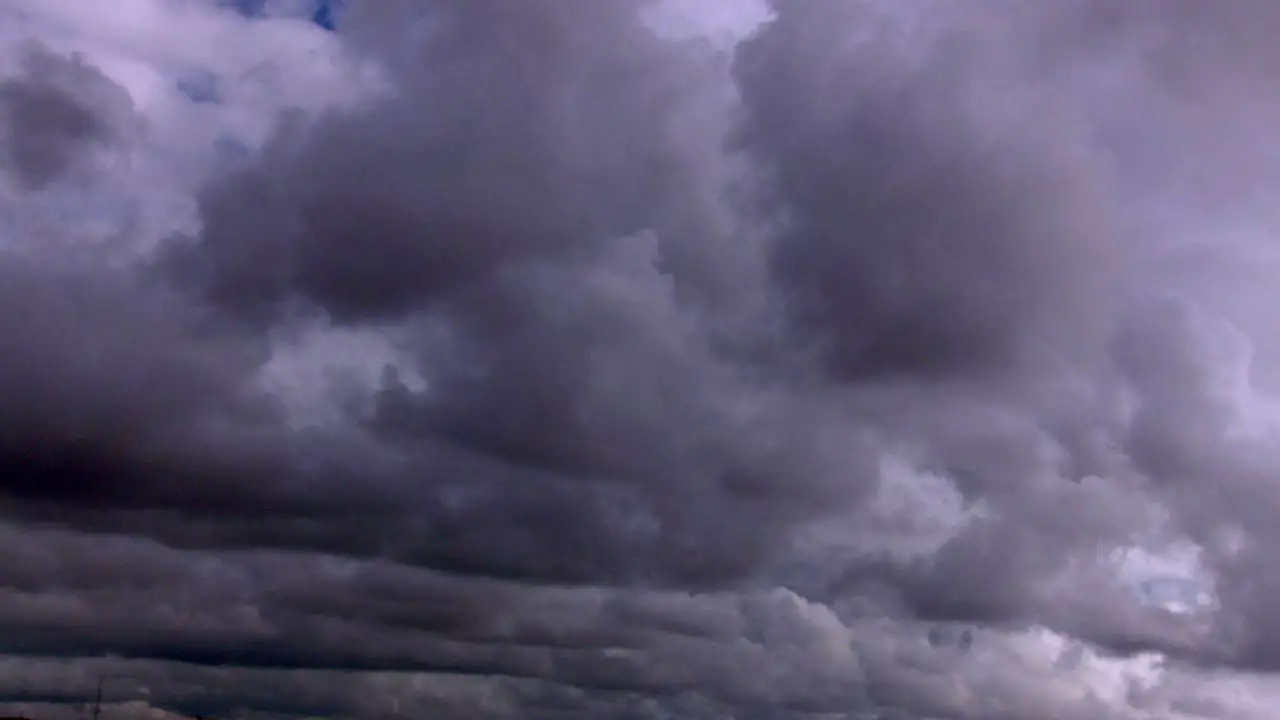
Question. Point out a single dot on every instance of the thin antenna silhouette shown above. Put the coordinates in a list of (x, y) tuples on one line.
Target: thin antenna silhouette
[(97, 701)]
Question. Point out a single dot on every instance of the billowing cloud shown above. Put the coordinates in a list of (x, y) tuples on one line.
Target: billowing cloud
[(585, 358), (58, 109)]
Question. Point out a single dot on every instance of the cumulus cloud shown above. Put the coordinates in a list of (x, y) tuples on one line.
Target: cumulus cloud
[(572, 358), (57, 109)]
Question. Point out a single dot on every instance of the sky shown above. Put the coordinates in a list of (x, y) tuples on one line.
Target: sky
[(639, 359)]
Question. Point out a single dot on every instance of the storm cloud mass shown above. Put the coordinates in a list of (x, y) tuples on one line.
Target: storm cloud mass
[(637, 359)]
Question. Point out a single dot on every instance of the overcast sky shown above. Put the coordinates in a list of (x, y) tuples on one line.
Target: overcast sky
[(620, 359)]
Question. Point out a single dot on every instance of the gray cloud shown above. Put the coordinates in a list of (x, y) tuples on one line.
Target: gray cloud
[(677, 328), (53, 113)]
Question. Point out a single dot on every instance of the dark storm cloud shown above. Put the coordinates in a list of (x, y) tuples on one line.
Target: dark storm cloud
[(123, 399), (537, 214), (69, 595), (54, 112), (911, 247), (667, 314)]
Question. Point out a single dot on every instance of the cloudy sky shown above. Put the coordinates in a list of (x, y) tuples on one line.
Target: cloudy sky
[(640, 359)]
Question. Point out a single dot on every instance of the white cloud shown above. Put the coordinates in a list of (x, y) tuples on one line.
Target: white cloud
[(258, 67)]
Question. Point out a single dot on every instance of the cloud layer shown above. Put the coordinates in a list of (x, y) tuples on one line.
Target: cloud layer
[(571, 358)]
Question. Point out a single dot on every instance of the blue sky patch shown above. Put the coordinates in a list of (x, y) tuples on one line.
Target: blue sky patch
[(324, 13)]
